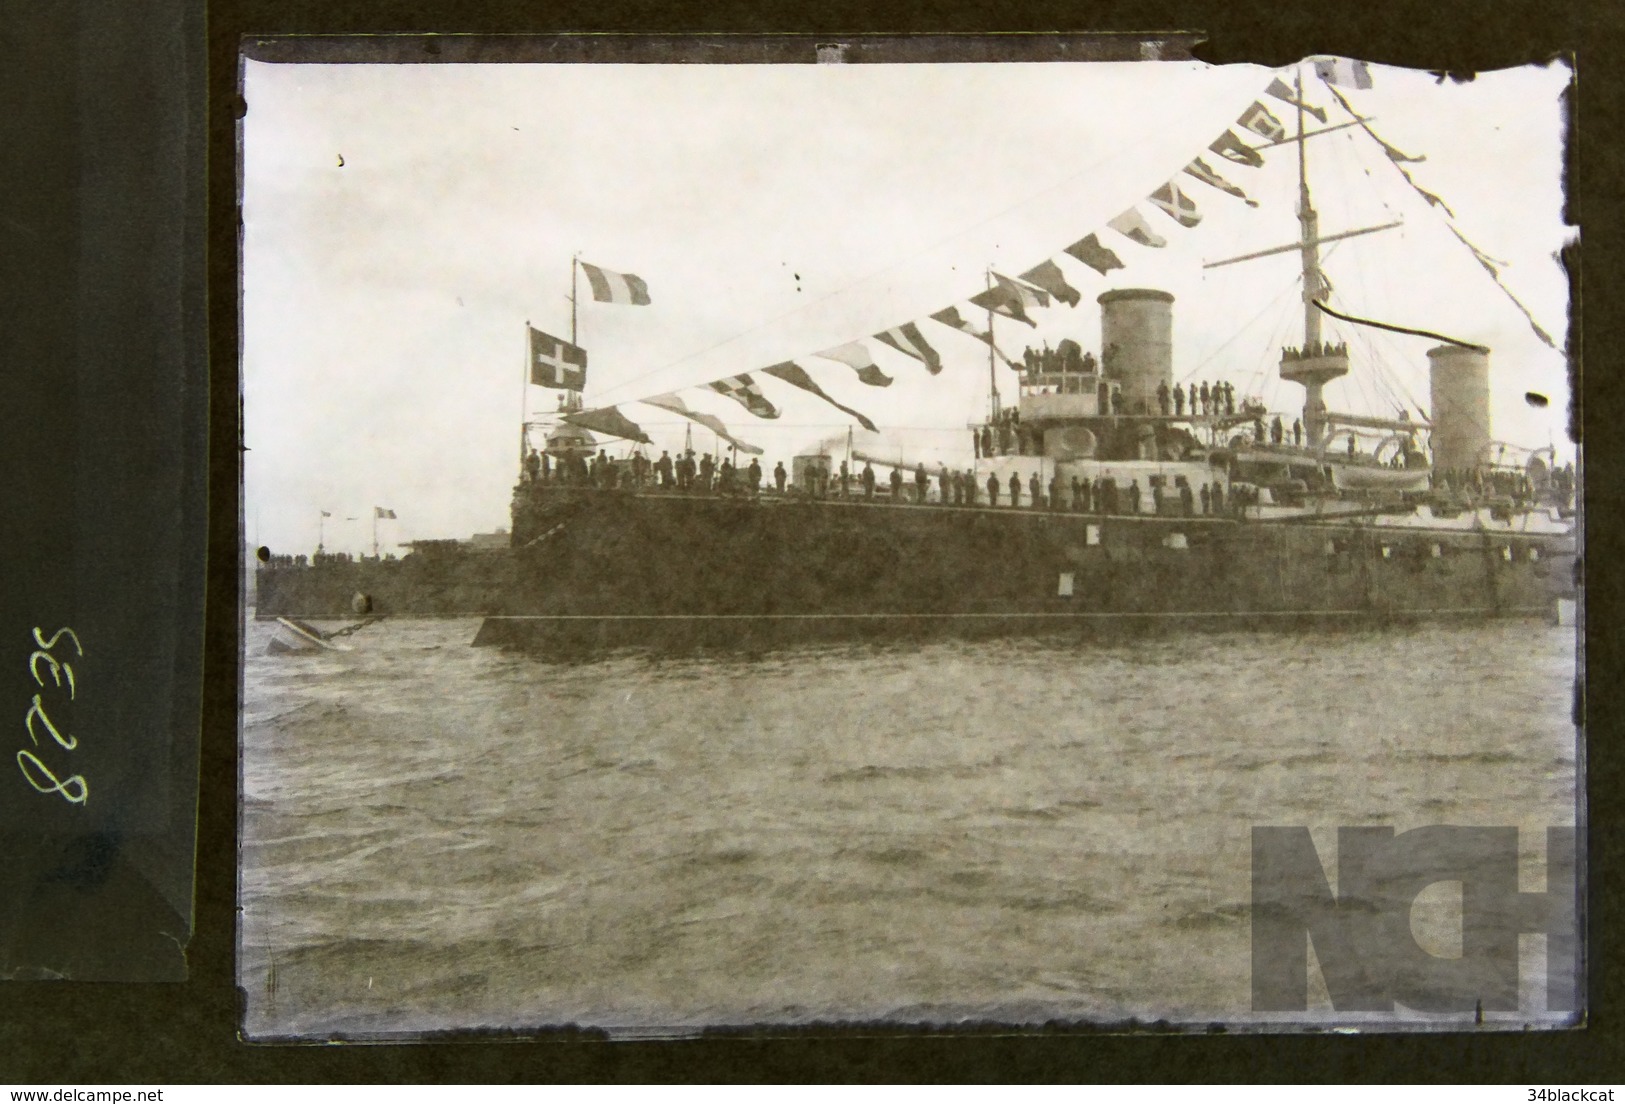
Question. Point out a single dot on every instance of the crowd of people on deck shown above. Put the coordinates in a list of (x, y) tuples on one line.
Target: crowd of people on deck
[(1208, 400), (1006, 436), (1069, 359), (1276, 432), (1515, 485), (704, 475), (321, 558), (707, 475)]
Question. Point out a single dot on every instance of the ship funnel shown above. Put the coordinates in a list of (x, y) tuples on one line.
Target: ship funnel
[(1459, 378), (1137, 343)]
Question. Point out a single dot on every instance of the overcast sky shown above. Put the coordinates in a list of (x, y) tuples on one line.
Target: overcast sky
[(404, 222)]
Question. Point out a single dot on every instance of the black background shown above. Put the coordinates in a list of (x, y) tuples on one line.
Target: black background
[(55, 1033), (103, 446)]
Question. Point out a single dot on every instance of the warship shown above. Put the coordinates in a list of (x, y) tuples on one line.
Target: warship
[(1110, 496)]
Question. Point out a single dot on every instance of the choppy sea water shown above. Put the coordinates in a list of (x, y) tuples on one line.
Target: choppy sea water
[(436, 836)]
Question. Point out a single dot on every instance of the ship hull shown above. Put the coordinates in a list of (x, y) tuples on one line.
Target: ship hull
[(608, 569)]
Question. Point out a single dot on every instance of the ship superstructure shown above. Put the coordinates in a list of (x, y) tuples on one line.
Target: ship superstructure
[(1112, 493)]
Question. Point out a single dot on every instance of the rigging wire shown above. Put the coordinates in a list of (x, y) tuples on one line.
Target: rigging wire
[(1398, 329), (1235, 336), (1448, 220)]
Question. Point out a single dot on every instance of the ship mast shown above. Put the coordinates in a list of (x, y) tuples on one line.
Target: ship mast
[(992, 368), (1309, 220), (572, 399), (1314, 365)]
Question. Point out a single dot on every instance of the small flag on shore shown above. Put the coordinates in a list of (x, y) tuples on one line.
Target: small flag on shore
[(616, 287), (556, 363), (383, 514)]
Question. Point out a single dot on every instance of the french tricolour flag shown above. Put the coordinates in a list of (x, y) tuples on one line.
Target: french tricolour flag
[(616, 287)]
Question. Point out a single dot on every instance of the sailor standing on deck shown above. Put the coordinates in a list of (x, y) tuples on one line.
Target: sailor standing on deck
[(992, 489), (1037, 490), (1163, 397), (945, 485), (868, 480), (1133, 496), (970, 487), (896, 485), (1015, 489), (533, 466), (1207, 500), (1078, 505), (779, 476), (921, 482), (754, 476)]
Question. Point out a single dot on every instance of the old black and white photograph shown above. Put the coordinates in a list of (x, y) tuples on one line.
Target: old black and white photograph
[(985, 543)]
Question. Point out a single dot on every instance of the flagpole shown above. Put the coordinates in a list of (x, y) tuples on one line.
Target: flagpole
[(375, 532), (992, 374), (524, 401), (574, 259), (1309, 222), (321, 529)]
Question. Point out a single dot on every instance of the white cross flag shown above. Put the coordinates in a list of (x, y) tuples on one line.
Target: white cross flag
[(555, 362)]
